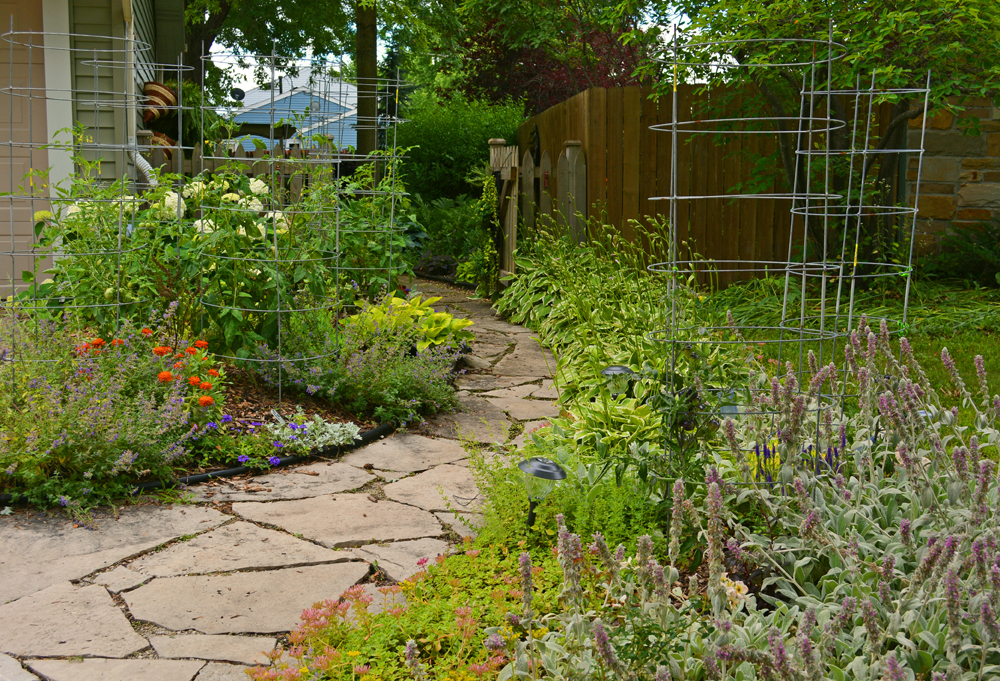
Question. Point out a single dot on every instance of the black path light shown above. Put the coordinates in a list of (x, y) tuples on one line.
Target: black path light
[(540, 477), (619, 377)]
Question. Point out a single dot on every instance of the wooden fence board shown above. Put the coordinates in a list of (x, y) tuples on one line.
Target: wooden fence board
[(755, 238), (616, 100), (648, 140), (596, 150), (632, 160), (683, 183)]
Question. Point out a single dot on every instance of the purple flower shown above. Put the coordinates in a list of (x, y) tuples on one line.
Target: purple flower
[(893, 672), (243, 458), (495, 643), (905, 531), (274, 461), (211, 425), (63, 501), (604, 649), (226, 418), (278, 444)]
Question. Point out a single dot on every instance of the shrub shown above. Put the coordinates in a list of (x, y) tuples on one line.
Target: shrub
[(969, 252), (449, 138), (453, 227)]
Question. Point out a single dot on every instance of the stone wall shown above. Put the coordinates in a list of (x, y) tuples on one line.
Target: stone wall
[(960, 178)]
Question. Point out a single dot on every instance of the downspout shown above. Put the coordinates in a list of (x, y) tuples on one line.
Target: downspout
[(141, 164)]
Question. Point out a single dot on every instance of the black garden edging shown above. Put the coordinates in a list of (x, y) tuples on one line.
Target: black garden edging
[(365, 438), (445, 280)]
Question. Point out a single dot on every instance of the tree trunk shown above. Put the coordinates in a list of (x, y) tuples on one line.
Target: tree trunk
[(366, 58), (200, 37)]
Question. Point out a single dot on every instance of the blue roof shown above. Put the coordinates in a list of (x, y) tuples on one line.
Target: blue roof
[(286, 107), (342, 131)]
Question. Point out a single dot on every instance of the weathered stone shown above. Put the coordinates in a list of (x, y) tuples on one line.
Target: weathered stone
[(11, 670), (219, 671), (238, 649), (527, 359), (344, 520), (993, 144), (244, 602), (989, 163), (479, 382), (937, 207), (948, 143), (437, 488), (481, 421), (464, 524), (935, 169), (473, 363), (239, 546), (981, 195), (36, 553), (515, 392), (974, 214), (399, 559), (501, 326), (65, 620), (119, 579), (116, 670), (546, 392), (406, 452), (385, 597), (937, 188), (291, 483), (525, 436), (526, 410), (939, 120), (489, 351)]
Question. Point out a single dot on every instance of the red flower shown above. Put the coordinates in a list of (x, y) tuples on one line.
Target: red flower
[(213, 372), (81, 349), (205, 386), (165, 376), (205, 401), (179, 365), (97, 342), (147, 332), (190, 351), (201, 344), (161, 351), (194, 380), (179, 355), (117, 341)]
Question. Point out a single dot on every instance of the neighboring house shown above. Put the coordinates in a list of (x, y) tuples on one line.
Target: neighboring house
[(296, 109), (54, 84)]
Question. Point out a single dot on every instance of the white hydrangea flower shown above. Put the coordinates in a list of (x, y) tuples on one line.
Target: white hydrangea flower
[(220, 184), (258, 187), (172, 203), (252, 203), (254, 232), (194, 189), (230, 197), (203, 227), (280, 221)]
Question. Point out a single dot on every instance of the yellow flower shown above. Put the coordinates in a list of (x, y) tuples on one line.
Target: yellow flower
[(353, 653)]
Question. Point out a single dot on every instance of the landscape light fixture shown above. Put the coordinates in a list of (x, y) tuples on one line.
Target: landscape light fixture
[(619, 377), (540, 477)]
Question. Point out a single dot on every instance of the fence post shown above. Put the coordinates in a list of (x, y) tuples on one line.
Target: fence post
[(573, 189), (545, 195), (528, 190)]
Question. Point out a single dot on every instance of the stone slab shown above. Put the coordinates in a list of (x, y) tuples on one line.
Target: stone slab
[(237, 649), (527, 359), (344, 520), (501, 326), (479, 382), (243, 602), (490, 337), (481, 421), (473, 363), (525, 437), (526, 410), (238, 546), (292, 483), (219, 671), (116, 670), (64, 620), (547, 391), (489, 351), (38, 552), (435, 489), (119, 579), (515, 391), (464, 524), (399, 559), (11, 670), (406, 452)]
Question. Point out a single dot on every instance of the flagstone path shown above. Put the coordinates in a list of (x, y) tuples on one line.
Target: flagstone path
[(202, 591)]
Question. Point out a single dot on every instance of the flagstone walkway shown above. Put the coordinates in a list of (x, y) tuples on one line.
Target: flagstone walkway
[(202, 591)]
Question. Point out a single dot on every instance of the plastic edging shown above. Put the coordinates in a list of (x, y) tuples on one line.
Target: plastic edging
[(365, 438)]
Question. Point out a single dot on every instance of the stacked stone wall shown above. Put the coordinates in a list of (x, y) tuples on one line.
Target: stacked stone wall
[(960, 177)]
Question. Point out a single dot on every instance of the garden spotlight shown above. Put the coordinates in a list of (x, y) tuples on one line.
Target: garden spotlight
[(619, 377), (540, 477)]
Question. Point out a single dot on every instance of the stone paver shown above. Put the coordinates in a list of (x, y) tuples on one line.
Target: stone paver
[(474, 363), (65, 620), (464, 524), (517, 391), (11, 670), (489, 351), (527, 359), (502, 327), (438, 488), (38, 552), (547, 391), (244, 602), (219, 671), (406, 452), (116, 670), (238, 649), (293, 483), (482, 421), (344, 520), (399, 559), (491, 382), (238, 546), (119, 579), (526, 410), (525, 436)]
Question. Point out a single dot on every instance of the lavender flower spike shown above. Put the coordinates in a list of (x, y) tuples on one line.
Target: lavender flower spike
[(526, 587), (605, 650)]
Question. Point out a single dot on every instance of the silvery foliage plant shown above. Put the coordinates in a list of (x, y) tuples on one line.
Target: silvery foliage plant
[(888, 567), (303, 434)]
